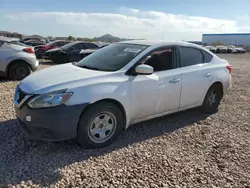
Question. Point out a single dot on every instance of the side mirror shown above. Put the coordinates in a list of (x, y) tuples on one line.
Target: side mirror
[(144, 69)]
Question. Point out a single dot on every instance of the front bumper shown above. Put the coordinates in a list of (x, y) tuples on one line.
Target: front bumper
[(50, 124)]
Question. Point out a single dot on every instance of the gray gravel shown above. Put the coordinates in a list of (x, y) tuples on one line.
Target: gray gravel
[(187, 149)]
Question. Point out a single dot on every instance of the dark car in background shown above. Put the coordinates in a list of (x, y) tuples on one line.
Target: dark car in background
[(41, 49), (84, 53), (69, 52), (33, 42)]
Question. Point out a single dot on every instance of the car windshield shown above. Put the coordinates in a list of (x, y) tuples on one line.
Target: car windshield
[(111, 58)]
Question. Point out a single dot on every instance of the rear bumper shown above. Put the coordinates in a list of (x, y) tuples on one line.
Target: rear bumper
[(51, 124), (227, 86), (35, 66)]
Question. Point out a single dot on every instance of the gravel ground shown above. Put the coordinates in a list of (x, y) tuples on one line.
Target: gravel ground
[(187, 149)]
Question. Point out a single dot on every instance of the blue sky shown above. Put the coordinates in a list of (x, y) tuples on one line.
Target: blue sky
[(153, 19)]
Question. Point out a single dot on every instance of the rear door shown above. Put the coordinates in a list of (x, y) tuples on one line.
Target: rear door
[(196, 75)]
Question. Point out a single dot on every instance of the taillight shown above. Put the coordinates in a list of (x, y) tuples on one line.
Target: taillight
[(29, 50), (229, 67)]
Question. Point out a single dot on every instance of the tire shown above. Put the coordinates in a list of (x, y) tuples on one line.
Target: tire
[(19, 70), (92, 125), (212, 99)]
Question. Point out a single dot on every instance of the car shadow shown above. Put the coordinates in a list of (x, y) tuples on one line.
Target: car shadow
[(5, 79), (39, 162), (46, 62)]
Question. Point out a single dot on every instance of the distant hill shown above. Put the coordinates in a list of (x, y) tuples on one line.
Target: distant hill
[(110, 38)]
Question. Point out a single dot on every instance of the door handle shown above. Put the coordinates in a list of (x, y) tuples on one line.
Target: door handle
[(208, 75), (174, 81)]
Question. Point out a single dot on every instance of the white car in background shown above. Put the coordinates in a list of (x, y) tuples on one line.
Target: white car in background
[(211, 48), (232, 48), (16, 60), (95, 99), (240, 50), (221, 49)]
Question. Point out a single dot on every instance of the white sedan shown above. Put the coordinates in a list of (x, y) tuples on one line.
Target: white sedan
[(95, 99)]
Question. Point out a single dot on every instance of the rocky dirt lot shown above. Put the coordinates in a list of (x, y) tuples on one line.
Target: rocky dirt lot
[(187, 149)]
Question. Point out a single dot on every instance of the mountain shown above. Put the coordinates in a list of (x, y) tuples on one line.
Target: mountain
[(110, 38)]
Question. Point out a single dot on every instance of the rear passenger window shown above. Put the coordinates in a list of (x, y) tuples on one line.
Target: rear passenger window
[(190, 56), (208, 57)]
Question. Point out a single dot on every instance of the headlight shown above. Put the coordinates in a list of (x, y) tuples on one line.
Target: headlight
[(50, 100)]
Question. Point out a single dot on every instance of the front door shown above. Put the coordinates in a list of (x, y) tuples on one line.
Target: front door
[(74, 54), (159, 92)]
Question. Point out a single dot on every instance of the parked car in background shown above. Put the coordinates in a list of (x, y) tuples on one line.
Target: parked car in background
[(33, 42), (85, 53), (211, 48), (240, 50), (95, 99), (16, 61), (231, 48), (41, 49), (221, 49), (12, 40), (69, 52)]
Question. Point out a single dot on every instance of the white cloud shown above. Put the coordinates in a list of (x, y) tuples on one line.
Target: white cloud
[(129, 23)]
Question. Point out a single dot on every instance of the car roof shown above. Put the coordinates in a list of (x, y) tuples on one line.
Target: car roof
[(154, 43)]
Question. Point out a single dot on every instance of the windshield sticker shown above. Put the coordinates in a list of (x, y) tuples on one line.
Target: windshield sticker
[(133, 50)]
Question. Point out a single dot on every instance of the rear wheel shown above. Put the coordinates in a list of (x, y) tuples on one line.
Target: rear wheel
[(212, 99), (100, 125), (19, 70)]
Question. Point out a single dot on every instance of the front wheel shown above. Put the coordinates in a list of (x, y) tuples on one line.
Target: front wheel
[(100, 125), (212, 99)]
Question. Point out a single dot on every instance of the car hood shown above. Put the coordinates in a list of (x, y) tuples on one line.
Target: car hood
[(58, 77)]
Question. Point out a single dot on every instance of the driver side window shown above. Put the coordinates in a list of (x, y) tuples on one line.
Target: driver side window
[(160, 59)]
